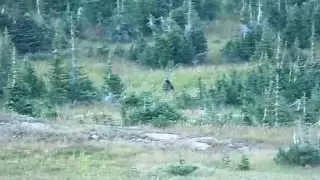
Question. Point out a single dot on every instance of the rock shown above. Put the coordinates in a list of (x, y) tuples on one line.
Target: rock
[(162, 137), (307, 166), (199, 146), (207, 140), (94, 137)]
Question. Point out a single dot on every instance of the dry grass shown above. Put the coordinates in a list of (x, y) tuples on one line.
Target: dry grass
[(274, 136), (90, 114), (115, 160)]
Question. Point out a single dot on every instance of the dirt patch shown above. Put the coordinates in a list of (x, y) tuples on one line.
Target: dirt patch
[(11, 130)]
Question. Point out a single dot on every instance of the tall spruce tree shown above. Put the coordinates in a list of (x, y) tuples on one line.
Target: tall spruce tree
[(58, 82), (36, 86)]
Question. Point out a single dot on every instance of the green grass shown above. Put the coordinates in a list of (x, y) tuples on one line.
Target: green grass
[(218, 34), (138, 78), (119, 161)]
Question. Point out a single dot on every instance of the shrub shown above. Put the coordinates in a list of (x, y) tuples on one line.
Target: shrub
[(226, 161), (164, 115), (185, 101), (113, 84), (244, 163), (120, 51), (181, 169), (18, 99), (240, 50), (160, 115), (298, 154), (82, 89), (144, 110)]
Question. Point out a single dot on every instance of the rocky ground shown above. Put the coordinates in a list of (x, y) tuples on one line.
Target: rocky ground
[(27, 129)]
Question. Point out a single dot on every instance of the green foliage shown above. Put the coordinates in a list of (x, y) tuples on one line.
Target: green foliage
[(159, 115), (298, 154), (81, 87), (58, 82), (227, 90), (199, 43), (144, 110), (209, 9), (113, 84), (36, 85), (173, 46), (241, 49), (181, 169), (226, 161), (30, 36), (18, 99), (185, 101), (244, 164), (25, 91)]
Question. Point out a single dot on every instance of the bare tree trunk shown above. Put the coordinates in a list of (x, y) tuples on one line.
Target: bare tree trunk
[(250, 13), (38, 5), (260, 13), (73, 53), (189, 17), (277, 104)]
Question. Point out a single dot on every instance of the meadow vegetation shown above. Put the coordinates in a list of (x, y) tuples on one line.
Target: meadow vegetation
[(245, 70)]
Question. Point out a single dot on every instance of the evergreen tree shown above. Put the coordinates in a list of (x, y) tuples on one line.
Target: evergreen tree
[(113, 85), (82, 89), (209, 9), (18, 98), (36, 86), (59, 82), (199, 42)]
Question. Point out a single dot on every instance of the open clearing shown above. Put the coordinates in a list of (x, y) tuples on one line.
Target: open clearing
[(31, 149)]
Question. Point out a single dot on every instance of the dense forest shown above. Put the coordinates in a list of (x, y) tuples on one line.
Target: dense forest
[(278, 37)]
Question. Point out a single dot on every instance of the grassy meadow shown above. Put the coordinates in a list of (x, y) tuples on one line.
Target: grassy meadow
[(119, 161)]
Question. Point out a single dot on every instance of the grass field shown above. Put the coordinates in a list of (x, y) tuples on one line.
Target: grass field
[(115, 160)]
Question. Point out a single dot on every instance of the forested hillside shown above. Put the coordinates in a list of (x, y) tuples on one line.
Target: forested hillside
[(278, 37)]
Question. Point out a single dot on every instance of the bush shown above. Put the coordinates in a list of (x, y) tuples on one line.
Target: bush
[(185, 101), (113, 84), (240, 50), (18, 99), (244, 163), (82, 89), (298, 154), (181, 169), (144, 110), (160, 115)]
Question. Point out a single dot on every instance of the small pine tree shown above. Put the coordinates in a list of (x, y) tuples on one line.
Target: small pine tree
[(58, 80), (36, 86), (113, 85), (82, 89), (18, 99), (244, 163)]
